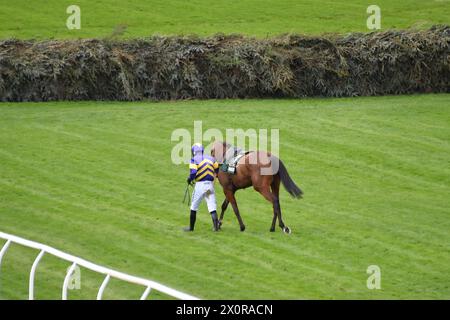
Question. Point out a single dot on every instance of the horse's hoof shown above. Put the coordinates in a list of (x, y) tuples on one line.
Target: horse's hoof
[(272, 230), (287, 230), (242, 228)]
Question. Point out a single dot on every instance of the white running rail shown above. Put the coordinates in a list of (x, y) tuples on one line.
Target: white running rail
[(76, 261)]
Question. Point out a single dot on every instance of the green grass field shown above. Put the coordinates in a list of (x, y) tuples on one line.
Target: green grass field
[(47, 19), (95, 179)]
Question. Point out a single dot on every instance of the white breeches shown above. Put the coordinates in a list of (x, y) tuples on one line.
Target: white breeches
[(204, 190)]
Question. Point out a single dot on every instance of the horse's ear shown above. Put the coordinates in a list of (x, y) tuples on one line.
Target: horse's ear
[(213, 148)]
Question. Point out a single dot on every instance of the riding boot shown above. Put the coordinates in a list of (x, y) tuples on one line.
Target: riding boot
[(192, 221), (215, 220)]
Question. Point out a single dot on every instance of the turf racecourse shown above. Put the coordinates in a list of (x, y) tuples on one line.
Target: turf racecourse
[(95, 179), (46, 19)]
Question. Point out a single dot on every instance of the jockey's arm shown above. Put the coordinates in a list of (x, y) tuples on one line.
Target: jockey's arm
[(192, 172), (216, 168)]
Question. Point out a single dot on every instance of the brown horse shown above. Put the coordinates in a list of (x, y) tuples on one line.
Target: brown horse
[(250, 169)]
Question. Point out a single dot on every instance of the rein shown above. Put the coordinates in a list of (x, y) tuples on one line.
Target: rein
[(186, 193)]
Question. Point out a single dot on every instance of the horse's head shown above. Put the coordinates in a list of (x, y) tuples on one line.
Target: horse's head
[(218, 150)]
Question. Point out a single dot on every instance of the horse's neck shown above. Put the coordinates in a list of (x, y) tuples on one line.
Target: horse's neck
[(229, 155), (233, 154)]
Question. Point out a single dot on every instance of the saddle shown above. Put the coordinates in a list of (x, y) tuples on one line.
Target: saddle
[(232, 157)]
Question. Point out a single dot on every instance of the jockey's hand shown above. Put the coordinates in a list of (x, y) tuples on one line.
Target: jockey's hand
[(189, 180)]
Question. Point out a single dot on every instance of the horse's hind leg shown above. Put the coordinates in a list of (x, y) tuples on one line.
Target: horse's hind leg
[(276, 204), (274, 220), (230, 197), (273, 197), (275, 212), (275, 185), (269, 196), (280, 220), (224, 207)]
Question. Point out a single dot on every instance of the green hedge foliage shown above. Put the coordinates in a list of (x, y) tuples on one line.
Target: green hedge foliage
[(161, 68)]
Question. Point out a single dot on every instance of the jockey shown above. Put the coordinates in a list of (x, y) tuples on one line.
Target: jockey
[(203, 170)]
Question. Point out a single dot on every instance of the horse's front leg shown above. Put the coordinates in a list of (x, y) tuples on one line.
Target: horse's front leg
[(232, 200), (224, 207)]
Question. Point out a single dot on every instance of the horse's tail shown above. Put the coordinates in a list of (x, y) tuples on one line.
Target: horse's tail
[(288, 183)]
